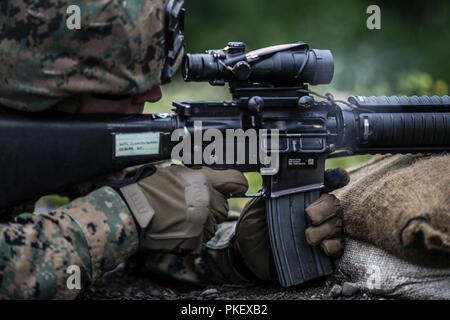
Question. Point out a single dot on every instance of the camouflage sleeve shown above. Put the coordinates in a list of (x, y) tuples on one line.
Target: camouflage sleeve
[(40, 255)]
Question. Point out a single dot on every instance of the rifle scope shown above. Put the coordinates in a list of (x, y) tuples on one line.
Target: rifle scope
[(280, 65)]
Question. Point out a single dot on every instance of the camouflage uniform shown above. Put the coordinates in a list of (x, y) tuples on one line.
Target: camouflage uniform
[(98, 232), (118, 51), (95, 233)]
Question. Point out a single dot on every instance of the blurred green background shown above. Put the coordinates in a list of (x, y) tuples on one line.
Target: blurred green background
[(409, 55)]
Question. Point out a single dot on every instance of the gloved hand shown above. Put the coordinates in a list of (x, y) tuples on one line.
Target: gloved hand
[(326, 225), (252, 239), (177, 208)]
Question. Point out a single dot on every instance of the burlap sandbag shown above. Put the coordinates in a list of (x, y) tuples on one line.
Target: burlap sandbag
[(401, 204), (376, 271)]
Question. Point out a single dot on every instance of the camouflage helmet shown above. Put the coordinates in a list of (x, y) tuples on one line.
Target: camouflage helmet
[(118, 50)]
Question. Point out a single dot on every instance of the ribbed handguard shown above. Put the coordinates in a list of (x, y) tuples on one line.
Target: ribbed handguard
[(412, 124), (363, 101)]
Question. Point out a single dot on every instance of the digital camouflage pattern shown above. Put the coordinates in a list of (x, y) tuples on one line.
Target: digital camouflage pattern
[(95, 233), (119, 50)]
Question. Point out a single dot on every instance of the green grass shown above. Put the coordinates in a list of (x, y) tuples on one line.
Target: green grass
[(346, 162)]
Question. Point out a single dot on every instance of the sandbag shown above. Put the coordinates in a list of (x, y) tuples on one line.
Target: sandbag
[(376, 271), (401, 204)]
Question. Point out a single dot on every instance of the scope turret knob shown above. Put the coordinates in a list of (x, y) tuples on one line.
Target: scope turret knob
[(236, 47), (255, 105), (242, 70), (305, 102)]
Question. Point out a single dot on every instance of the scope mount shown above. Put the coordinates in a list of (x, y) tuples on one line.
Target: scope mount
[(255, 97)]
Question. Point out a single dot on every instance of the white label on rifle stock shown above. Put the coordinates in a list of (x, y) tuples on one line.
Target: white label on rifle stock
[(137, 144)]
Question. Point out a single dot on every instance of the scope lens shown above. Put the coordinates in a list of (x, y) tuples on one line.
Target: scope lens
[(200, 67), (185, 67)]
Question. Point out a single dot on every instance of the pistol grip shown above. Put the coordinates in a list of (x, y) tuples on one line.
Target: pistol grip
[(296, 261)]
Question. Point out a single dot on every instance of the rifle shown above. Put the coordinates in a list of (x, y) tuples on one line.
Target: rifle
[(44, 154)]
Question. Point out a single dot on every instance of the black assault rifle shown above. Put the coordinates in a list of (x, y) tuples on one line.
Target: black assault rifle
[(42, 154)]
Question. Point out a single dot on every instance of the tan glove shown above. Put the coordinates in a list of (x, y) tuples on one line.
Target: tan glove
[(178, 208), (325, 215), (252, 238)]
